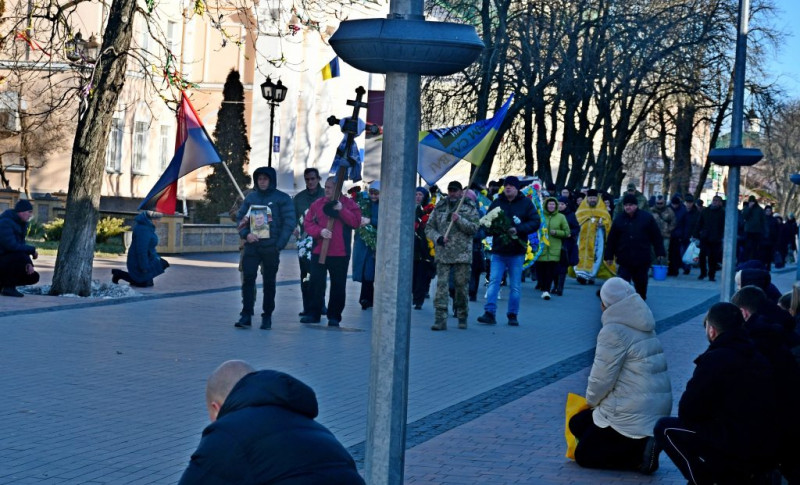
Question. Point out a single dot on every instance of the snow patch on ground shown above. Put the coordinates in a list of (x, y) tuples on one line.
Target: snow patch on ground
[(103, 290)]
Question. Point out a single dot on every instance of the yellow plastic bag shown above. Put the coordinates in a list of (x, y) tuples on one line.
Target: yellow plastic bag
[(575, 404)]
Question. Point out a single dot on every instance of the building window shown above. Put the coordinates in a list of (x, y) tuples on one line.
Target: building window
[(164, 148), (171, 32), (114, 148), (139, 160)]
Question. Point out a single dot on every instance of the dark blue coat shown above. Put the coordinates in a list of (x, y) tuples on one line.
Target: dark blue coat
[(522, 207), (12, 234), (283, 218), (680, 222), (144, 263), (265, 433), (363, 256)]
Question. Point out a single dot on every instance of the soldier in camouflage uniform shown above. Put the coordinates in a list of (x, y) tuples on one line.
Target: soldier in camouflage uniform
[(453, 252)]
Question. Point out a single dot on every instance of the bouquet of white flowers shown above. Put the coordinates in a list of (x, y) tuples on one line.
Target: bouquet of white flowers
[(304, 247), (497, 224), (304, 244)]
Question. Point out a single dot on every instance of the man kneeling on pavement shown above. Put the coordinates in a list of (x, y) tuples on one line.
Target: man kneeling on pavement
[(16, 266), (730, 427)]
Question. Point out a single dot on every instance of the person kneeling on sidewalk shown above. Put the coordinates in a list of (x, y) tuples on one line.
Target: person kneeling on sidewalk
[(728, 425), (629, 387), (144, 263), (16, 267)]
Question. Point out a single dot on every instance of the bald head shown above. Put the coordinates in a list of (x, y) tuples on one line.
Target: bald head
[(222, 381)]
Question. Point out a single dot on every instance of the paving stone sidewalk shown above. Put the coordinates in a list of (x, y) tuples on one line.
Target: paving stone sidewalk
[(112, 391)]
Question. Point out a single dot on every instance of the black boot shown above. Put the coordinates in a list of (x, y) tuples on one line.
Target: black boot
[(118, 274), (562, 278)]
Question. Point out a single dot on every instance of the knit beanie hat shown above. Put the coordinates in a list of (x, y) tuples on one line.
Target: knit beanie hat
[(615, 290), (23, 205), (426, 196), (629, 199), (376, 185), (513, 181)]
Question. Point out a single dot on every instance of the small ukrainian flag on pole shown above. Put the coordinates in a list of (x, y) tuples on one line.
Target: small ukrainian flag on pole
[(331, 69)]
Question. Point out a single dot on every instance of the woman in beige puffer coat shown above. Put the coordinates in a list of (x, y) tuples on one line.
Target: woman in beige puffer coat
[(629, 387)]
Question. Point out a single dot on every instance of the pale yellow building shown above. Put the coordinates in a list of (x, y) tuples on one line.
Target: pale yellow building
[(260, 42)]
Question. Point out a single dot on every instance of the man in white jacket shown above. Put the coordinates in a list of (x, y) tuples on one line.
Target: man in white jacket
[(629, 388)]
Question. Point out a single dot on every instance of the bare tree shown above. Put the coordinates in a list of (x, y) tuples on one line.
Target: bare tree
[(40, 38), (781, 146)]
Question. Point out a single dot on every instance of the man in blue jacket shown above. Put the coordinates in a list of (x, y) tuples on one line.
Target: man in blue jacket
[(509, 256), (263, 251), (16, 267), (263, 431)]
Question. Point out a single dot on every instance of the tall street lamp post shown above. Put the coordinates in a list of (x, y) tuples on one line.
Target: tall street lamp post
[(274, 94), (735, 157)]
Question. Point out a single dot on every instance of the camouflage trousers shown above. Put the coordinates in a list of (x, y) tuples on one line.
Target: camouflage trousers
[(461, 272)]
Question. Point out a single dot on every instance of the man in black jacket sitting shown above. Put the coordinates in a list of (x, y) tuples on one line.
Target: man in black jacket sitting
[(263, 431)]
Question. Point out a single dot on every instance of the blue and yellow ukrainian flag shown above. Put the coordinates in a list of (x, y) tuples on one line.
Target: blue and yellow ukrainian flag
[(331, 69), (441, 149)]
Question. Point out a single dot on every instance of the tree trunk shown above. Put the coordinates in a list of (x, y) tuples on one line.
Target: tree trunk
[(682, 170), (73, 270), (715, 132), (528, 141)]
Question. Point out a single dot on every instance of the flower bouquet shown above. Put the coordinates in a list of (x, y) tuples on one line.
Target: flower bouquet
[(305, 243), (368, 233), (304, 246), (497, 224)]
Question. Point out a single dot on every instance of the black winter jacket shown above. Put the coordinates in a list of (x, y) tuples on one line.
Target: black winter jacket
[(522, 207), (711, 225), (731, 401), (283, 216), (265, 433), (12, 234), (630, 239)]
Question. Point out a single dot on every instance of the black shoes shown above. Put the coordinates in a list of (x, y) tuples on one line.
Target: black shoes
[(512, 320), (244, 322), (711, 278), (332, 322), (650, 457), (310, 319), (11, 291), (418, 306), (701, 277), (115, 276), (487, 318), (365, 304), (266, 322)]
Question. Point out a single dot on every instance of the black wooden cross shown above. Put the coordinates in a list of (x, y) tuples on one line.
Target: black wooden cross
[(351, 129)]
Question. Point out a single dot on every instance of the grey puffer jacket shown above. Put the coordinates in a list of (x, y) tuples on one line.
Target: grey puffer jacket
[(629, 387)]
